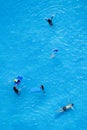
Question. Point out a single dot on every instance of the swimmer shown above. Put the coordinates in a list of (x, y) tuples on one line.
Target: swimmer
[(42, 88), (17, 81), (16, 90), (49, 20), (54, 53), (69, 106)]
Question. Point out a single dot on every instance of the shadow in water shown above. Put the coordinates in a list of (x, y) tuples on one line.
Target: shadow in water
[(60, 114)]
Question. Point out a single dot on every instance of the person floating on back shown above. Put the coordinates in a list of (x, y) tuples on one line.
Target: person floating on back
[(50, 21), (65, 108), (16, 90), (42, 88)]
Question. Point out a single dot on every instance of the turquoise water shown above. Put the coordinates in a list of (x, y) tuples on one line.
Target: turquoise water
[(26, 44)]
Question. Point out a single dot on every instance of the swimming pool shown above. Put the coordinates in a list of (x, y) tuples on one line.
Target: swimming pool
[(26, 44)]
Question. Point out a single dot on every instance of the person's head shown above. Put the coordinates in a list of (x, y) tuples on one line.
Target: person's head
[(64, 108), (50, 21), (19, 81), (72, 104), (14, 87), (55, 50), (42, 87)]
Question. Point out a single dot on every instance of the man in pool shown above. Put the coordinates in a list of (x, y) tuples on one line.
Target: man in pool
[(67, 107), (49, 20)]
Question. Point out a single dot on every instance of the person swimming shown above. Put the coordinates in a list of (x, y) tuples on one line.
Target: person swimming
[(67, 107), (17, 81), (42, 88), (15, 90), (49, 20), (54, 52)]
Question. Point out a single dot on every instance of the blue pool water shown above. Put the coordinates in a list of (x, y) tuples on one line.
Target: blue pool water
[(26, 44)]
